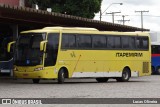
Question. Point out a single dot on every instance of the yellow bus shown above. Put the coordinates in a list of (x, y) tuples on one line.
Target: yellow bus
[(72, 52)]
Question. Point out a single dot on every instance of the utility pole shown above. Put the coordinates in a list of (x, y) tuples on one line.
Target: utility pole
[(101, 13), (123, 19), (141, 17), (113, 13)]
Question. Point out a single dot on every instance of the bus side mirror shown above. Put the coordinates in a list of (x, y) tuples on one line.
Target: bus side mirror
[(42, 45), (9, 46)]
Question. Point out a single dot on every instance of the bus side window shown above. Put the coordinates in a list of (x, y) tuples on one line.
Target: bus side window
[(65, 42), (99, 41), (142, 43), (110, 42), (84, 41), (72, 41), (125, 42), (145, 43), (52, 49), (68, 41), (155, 49), (117, 42), (132, 44), (138, 43)]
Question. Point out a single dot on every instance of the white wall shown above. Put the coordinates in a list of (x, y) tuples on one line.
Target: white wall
[(21, 3), (155, 36)]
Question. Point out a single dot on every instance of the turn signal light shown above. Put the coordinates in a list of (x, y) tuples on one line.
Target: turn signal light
[(15, 69)]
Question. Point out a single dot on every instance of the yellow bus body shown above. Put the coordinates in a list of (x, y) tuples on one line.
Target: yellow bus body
[(89, 63)]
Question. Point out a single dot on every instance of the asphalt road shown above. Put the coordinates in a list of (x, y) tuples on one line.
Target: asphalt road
[(141, 87)]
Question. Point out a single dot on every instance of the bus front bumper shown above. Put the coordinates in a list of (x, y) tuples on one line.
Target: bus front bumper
[(35, 74)]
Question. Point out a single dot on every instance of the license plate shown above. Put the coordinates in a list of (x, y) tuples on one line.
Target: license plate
[(25, 74)]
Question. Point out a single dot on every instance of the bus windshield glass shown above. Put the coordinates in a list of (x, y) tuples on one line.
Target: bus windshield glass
[(27, 51), (4, 55)]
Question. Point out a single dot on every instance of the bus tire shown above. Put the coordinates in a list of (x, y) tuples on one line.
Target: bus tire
[(153, 70), (35, 81), (125, 76), (100, 80), (158, 70), (61, 76)]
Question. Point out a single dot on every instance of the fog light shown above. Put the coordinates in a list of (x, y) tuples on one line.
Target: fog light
[(38, 69)]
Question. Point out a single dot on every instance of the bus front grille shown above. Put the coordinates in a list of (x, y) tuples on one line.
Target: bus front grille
[(145, 67)]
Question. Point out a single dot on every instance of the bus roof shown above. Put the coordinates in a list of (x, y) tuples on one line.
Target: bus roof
[(70, 28), (81, 29), (49, 29)]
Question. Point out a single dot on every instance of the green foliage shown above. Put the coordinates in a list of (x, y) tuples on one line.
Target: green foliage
[(82, 8)]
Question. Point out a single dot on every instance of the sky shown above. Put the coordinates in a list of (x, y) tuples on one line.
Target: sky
[(151, 19)]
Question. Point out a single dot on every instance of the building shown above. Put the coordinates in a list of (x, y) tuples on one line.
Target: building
[(13, 2), (15, 17)]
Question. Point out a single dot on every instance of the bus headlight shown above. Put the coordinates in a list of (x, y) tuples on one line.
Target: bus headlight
[(15, 69), (38, 69)]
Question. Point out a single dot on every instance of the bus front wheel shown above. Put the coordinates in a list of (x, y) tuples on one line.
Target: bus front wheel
[(61, 76), (36, 81), (153, 70), (125, 76), (102, 80)]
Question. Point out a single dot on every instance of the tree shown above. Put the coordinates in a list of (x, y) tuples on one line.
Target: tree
[(82, 8)]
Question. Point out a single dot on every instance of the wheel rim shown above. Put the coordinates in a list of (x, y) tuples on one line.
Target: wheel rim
[(63, 75), (159, 70), (125, 75)]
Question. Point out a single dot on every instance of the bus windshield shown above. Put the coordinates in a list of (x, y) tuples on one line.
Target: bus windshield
[(4, 55), (27, 51)]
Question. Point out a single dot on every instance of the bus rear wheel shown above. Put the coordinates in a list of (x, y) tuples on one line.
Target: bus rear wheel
[(102, 80), (35, 81), (125, 76), (158, 70), (61, 76)]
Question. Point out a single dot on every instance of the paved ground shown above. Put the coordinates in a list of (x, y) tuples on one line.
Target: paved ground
[(142, 87)]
